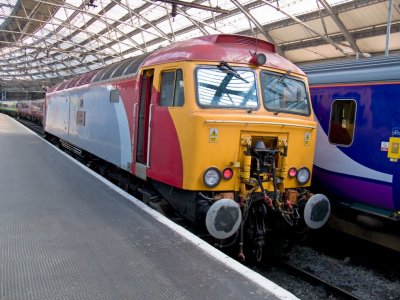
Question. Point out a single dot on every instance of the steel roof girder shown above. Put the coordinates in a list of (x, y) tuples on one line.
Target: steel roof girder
[(341, 26)]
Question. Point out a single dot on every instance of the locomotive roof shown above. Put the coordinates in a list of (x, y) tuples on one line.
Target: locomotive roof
[(222, 47), (380, 68), (120, 69)]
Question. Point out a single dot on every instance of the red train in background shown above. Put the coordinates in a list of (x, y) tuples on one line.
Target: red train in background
[(28, 109), (31, 109)]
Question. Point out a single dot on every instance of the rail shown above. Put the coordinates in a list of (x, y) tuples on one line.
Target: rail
[(315, 280)]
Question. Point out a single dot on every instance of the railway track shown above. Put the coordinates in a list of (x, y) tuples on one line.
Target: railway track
[(35, 127), (331, 289)]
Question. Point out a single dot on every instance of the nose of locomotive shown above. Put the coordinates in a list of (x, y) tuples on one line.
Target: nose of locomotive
[(223, 218), (317, 211)]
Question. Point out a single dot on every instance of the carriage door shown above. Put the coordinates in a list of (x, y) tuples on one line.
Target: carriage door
[(144, 122)]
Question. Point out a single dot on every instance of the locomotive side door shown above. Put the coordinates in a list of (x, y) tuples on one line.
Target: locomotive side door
[(143, 124)]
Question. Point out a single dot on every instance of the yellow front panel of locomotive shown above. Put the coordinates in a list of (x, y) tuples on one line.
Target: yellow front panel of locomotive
[(212, 137), (205, 145)]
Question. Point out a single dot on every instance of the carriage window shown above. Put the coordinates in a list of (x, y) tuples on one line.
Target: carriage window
[(284, 94), (341, 128), (220, 87), (172, 92)]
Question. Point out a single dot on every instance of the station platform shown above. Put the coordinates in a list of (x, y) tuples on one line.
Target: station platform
[(65, 233)]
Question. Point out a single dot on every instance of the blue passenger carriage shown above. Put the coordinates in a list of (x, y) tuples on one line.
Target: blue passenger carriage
[(357, 161)]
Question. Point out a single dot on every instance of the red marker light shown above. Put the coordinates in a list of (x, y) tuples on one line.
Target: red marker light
[(292, 172), (227, 173)]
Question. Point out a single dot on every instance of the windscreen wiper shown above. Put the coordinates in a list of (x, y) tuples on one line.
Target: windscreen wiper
[(228, 69), (280, 81), (284, 76)]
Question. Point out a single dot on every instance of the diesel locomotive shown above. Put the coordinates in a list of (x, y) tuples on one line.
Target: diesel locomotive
[(220, 127)]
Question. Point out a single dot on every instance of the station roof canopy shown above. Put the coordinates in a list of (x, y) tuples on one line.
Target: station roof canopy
[(43, 42)]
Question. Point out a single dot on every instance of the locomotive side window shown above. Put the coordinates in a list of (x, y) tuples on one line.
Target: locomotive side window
[(222, 87), (172, 92), (284, 94), (167, 91), (341, 127)]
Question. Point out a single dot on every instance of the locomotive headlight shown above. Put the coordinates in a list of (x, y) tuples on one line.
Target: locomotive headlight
[(212, 177), (303, 175), (258, 59)]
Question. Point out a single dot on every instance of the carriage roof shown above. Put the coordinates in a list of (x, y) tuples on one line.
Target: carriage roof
[(380, 68)]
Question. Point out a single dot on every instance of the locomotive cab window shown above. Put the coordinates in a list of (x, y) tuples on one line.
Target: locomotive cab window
[(341, 127), (226, 87), (172, 91), (282, 93)]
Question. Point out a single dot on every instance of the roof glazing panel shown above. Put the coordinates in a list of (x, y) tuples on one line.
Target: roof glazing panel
[(7, 8), (72, 37)]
